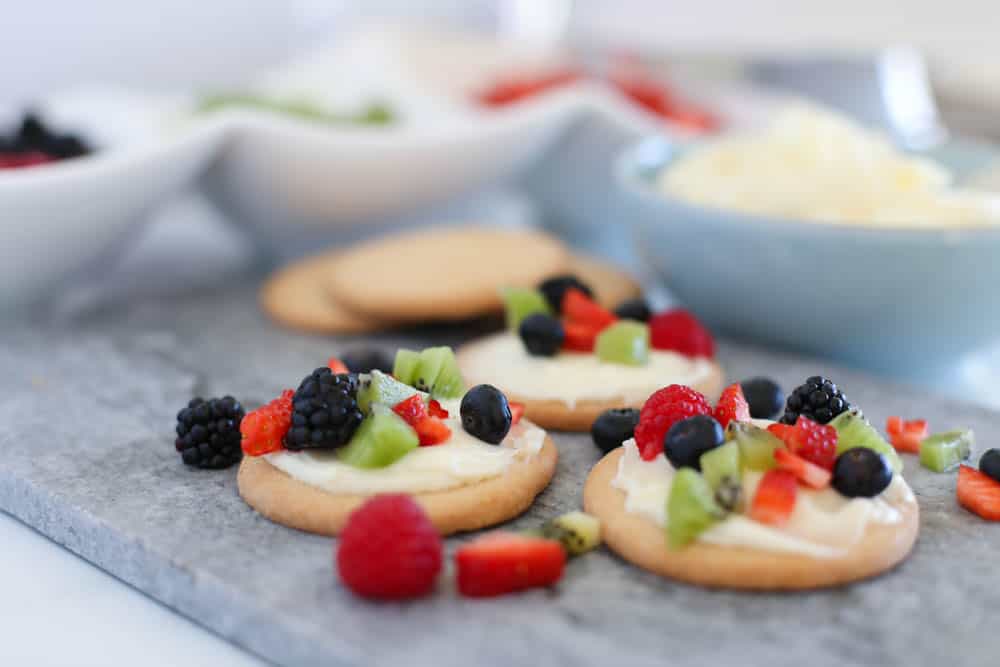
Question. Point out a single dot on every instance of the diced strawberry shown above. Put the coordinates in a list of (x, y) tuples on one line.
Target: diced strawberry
[(816, 443), (434, 409), (411, 409), (263, 430), (502, 563), (680, 331), (732, 406), (430, 430), (337, 366), (578, 308), (579, 337), (516, 411), (774, 500), (516, 89), (808, 473), (979, 493), (906, 436)]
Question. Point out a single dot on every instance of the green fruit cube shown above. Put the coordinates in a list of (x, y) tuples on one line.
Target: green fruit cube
[(519, 302), (756, 445), (853, 430), (691, 508), (382, 439), (624, 342), (942, 452), (405, 366), (381, 389)]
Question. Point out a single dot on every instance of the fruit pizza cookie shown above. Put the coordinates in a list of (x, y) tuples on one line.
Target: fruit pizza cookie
[(567, 358), (468, 458), (720, 497)]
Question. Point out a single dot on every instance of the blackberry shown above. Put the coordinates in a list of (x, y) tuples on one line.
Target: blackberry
[(325, 411), (541, 334), (554, 289), (818, 399), (634, 309), (208, 432)]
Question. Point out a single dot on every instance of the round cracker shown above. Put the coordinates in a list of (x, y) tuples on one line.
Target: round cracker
[(296, 504), (557, 415), (296, 296), (443, 273), (611, 285), (640, 541)]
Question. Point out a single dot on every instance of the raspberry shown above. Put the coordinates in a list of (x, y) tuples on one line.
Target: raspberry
[(732, 406), (816, 443), (661, 411), (389, 549), (264, 429), (679, 331)]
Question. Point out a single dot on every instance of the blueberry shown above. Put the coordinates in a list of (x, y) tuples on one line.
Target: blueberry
[(634, 309), (613, 427), (486, 413), (764, 396), (861, 473), (542, 334), (989, 464), (367, 359), (554, 289), (689, 438)]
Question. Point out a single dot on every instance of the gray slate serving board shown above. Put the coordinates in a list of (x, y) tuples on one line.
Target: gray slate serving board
[(86, 417)]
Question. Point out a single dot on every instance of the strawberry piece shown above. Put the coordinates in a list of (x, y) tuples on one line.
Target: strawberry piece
[(979, 493), (816, 443), (774, 500), (806, 472), (906, 436), (780, 430), (514, 90), (389, 549), (579, 337), (430, 430), (434, 409), (680, 331), (25, 159), (337, 366), (516, 411), (578, 308), (263, 430), (663, 409), (732, 406), (506, 562)]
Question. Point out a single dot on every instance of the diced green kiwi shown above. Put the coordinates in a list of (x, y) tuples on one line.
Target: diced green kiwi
[(756, 445), (382, 439), (405, 365), (449, 382), (853, 430), (578, 532), (519, 302), (381, 389), (691, 508), (624, 342), (942, 452), (722, 470)]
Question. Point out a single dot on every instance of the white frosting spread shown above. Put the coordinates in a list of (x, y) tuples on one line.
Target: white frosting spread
[(462, 459), (823, 524), (573, 376), (815, 165)]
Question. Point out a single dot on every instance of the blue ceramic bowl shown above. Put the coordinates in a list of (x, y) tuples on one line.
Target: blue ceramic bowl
[(902, 301)]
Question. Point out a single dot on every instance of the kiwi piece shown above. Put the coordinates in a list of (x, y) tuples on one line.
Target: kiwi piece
[(624, 342), (519, 302), (853, 430), (721, 469), (449, 382), (405, 365), (429, 367), (691, 508), (756, 445), (942, 452), (381, 389), (382, 439), (578, 532)]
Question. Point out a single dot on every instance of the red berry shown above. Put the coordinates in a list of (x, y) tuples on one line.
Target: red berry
[(506, 562), (663, 409), (389, 549), (679, 331), (774, 500), (906, 436), (337, 366), (430, 430), (816, 443), (806, 472), (732, 406), (579, 337), (780, 430), (979, 493), (264, 429), (435, 410), (27, 159), (578, 308), (516, 411), (411, 409)]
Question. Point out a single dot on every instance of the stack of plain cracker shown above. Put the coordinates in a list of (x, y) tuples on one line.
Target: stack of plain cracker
[(427, 275)]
